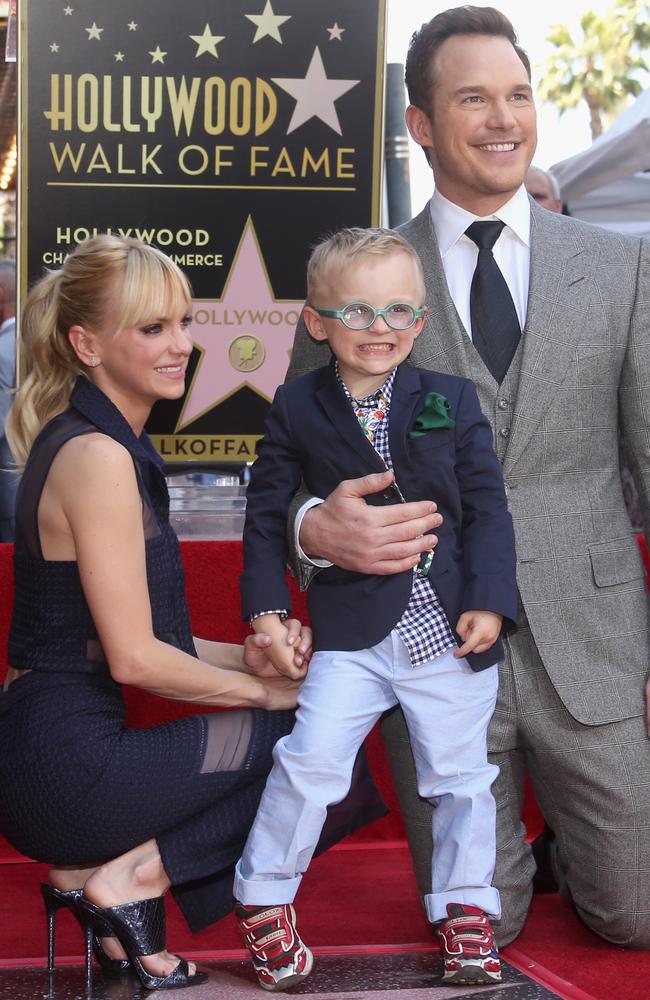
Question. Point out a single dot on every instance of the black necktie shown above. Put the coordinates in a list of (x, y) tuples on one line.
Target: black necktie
[(495, 325)]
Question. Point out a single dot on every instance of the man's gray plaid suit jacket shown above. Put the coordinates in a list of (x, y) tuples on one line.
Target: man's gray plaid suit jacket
[(581, 372)]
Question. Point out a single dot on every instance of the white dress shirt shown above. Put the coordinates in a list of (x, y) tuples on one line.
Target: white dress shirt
[(459, 253)]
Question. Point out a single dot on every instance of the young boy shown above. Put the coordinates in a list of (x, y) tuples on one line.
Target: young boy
[(427, 639)]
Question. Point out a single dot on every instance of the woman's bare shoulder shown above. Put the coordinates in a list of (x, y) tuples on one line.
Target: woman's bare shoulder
[(92, 462)]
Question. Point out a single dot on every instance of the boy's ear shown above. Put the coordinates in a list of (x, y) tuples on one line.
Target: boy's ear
[(417, 329), (314, 323)]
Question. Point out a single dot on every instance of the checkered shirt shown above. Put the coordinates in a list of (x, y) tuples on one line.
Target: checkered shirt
[(423, 628)]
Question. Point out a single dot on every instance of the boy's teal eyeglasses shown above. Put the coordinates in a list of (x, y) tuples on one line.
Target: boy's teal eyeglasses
[(361, 316)]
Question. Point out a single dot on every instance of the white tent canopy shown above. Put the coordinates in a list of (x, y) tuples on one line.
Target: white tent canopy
[(605, 184)]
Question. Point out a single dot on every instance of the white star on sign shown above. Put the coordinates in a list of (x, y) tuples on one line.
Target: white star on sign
[(207, 42), (336, 33), (94, 32), (157, 55), (54, 47), (132, 26), (268, 23), (315, 95), (68, 11), (119, 57)]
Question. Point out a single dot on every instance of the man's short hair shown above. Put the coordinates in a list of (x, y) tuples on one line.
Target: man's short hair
[(427, 40), (345, 246)]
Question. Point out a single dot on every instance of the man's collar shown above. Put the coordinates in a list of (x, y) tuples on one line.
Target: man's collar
[(450, 221)]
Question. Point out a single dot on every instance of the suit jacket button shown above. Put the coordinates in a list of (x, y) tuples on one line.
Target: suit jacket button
[(504, 432)]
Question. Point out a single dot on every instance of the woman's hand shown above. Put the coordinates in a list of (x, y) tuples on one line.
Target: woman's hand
[(279, 692), (256, 660)]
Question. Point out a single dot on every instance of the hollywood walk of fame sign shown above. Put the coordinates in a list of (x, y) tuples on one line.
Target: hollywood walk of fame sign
[(230, 135)]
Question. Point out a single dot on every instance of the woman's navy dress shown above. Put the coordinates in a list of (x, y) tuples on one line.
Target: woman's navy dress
[(77, 786)]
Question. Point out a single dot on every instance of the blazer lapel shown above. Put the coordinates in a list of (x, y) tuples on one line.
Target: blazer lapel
[(403, 404), (342, 416), (556, 308)]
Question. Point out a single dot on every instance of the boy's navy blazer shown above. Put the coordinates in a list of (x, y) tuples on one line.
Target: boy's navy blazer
[(313, 435)]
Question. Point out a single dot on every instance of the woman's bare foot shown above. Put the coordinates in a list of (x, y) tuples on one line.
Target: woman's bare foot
[(132, 877), (67, 879)]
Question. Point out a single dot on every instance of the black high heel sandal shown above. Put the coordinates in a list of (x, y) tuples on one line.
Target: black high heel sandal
[(54, 900), (140, 929)]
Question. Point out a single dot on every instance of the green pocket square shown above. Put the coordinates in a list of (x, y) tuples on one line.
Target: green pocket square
[(433, 416)]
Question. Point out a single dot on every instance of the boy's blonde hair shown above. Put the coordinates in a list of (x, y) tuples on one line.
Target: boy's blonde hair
[(131, 280), (334, 252)]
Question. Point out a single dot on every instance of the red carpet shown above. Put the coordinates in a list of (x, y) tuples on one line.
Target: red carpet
[(351, 898), (359, 894)]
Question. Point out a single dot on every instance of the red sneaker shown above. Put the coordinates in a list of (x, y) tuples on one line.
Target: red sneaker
[(280, 958), (467, 946)]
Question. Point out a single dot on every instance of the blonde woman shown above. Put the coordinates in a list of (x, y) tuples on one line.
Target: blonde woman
[(120, 814)]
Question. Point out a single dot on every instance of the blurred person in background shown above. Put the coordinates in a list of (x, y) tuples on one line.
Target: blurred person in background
[(8, 477)]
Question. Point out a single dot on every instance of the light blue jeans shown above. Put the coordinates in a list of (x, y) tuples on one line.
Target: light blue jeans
[(447, 707)]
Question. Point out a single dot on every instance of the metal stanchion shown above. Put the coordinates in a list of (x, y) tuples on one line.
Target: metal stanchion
[(396, 150)]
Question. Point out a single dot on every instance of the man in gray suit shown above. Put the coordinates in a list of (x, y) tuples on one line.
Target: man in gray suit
[(572, 703)]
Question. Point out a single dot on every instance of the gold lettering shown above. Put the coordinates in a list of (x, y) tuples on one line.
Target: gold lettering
[(56, 114), (344, 170), (283, 164), (87, 102), (266, 106), (308, 162), (98, 161), (198, 259), (121, 169), (108, 124), (67, 154), (151, 108), (117, 103), (148, 159), (220, 163), (240, 106), (129, 126), (203, 160), (198, 447), (255, 163), (214, 108), (182, 102)]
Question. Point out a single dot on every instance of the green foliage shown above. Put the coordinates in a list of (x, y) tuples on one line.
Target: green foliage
[(602, 68)]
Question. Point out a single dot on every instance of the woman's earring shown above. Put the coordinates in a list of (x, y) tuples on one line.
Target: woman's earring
[(93, 361)]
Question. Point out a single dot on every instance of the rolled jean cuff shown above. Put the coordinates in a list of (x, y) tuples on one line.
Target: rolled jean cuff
[(264, 892), (486, 897)]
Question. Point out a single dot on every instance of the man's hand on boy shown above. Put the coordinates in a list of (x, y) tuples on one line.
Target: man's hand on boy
[(375, 540), (479, 630), (281, 650)]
